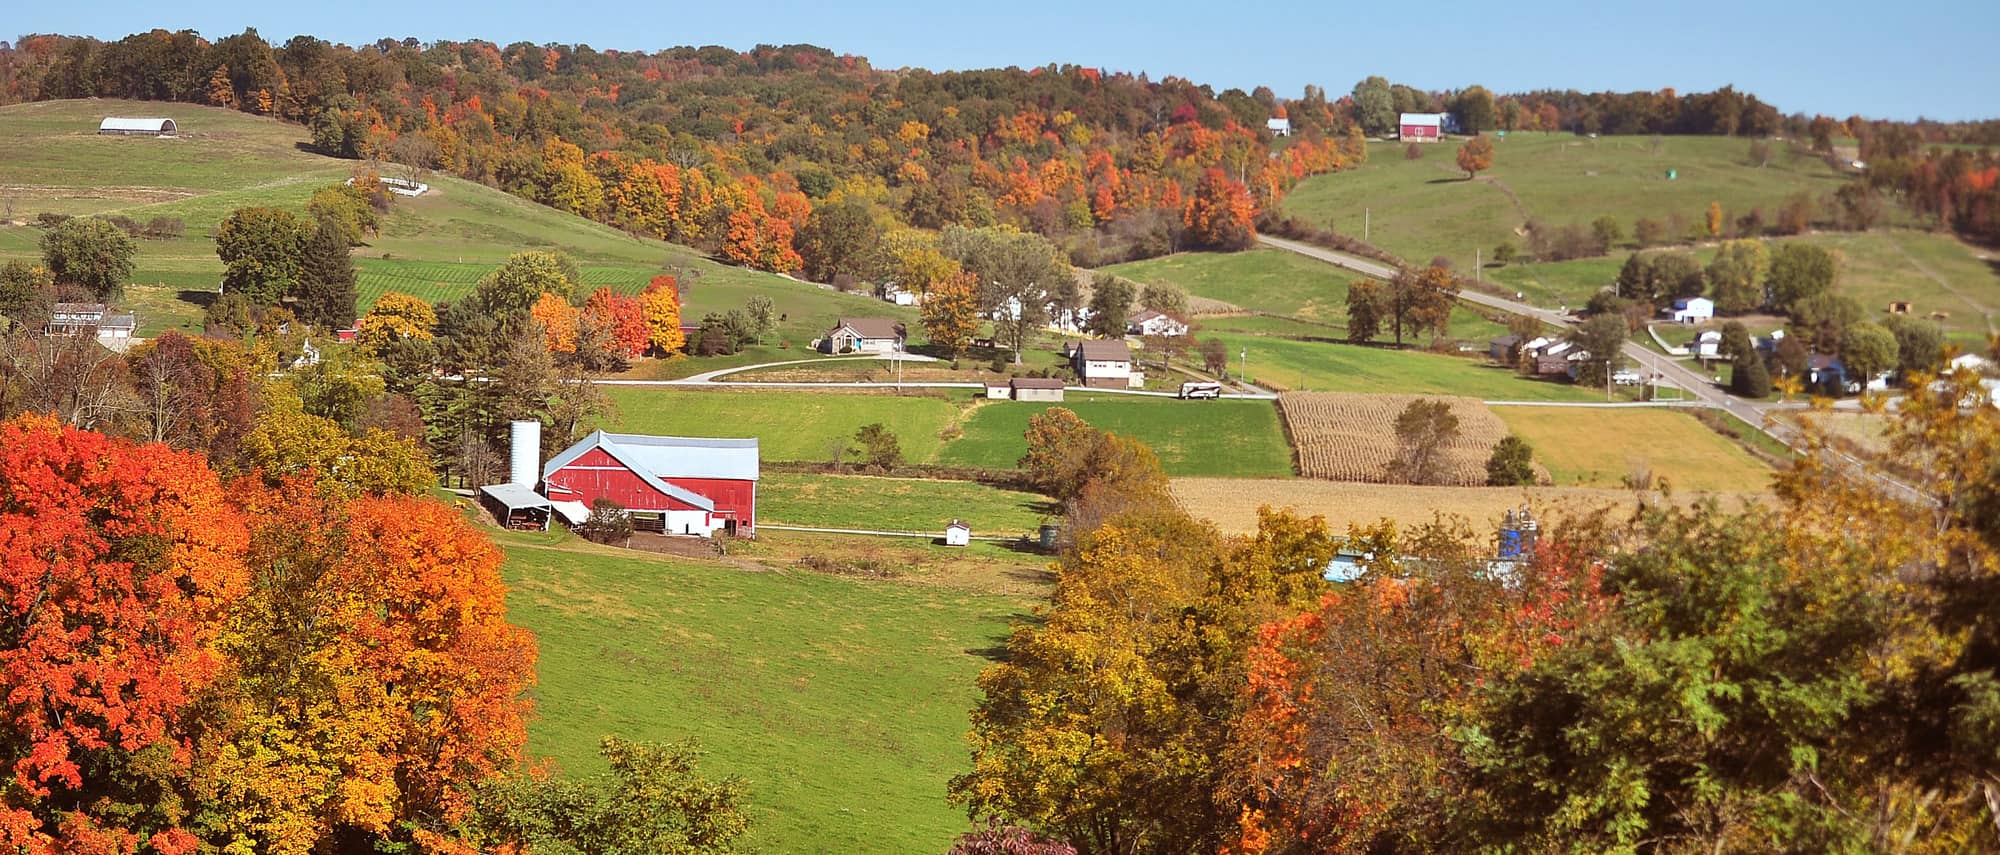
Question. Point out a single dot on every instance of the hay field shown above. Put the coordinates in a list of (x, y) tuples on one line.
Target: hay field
[(1352, 437), (1232, 503)]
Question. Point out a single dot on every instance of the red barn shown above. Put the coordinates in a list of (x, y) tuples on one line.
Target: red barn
[(1421, 127), (672, 484)]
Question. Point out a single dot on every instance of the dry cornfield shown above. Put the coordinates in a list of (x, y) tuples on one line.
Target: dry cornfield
[(1232, 503), (1352, 437)]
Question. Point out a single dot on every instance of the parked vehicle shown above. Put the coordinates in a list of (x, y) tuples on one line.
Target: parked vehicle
[(1200, 389), (1626, 377)]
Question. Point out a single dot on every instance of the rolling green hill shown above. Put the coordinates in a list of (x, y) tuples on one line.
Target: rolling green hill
[(1422, 208), (434, 246)]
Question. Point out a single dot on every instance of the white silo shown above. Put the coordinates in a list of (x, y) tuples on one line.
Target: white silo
[(525, 457)]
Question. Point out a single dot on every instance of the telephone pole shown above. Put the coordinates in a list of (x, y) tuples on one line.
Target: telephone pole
[(1364, 225)]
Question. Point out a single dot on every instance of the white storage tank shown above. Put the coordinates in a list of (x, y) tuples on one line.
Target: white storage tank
[(525, 456)]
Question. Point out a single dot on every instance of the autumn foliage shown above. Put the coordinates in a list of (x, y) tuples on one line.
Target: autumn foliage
[(660, 309), (189, 665), (1221, 215)]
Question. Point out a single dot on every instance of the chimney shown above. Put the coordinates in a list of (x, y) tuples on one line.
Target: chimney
[(524, 460)]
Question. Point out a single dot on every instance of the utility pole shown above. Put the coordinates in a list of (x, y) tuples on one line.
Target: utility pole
[(1478, 271), (1244, 371), (1364, 225)]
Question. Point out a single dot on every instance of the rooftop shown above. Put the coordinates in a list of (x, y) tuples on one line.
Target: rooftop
[(1105, 350), (872, 327), (1035, 383)]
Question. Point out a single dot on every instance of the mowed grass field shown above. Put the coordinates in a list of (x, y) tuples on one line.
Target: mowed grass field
[(436, 246), (1421, 208), (898, 504), (1593, 447), (1934, 272), (843, 703), (1191, 437), (1315, 366), (1276, 281)]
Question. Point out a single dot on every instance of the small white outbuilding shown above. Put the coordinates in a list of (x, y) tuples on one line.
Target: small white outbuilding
[(957, 534)]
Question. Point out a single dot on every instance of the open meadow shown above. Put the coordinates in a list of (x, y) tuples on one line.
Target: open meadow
[(843, 703), (1598, 447), (898, 504), (1320, 366), (1422, 208), (435, 246), (1191, 437)]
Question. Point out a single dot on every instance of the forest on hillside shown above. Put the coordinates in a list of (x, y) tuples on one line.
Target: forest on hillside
[(795, 158)]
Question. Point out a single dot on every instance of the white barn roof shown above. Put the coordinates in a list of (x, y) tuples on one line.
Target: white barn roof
[(136, 125), (1425, 119), (669, 456)]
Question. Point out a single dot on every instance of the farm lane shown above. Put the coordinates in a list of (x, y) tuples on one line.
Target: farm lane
[(1703, 387)]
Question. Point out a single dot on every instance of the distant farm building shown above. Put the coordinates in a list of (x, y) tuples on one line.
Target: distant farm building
[(668, 484), (1502, 349), (864, 335), (120, 126), (1421, 127), (1279, 127), (1035, 389), (957, 534), (1693, 310), (1104, 364), (1149, 322), (112, 329), (1708, 344)]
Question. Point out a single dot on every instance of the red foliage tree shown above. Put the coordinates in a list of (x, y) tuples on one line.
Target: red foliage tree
[(1221, 215), (622, 315)]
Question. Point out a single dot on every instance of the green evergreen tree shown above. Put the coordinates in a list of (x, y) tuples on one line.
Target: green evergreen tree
[(326, 291)]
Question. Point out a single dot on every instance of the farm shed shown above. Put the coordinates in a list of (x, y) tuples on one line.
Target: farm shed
[(1502, 349), (957, 534), (670, 484), (1149, 322), (1279, 127), (517, 507), (1708, 344), (1421, 127), (1036, 388), (1104, 364), (997, 391), (121, 126), (863, 335)]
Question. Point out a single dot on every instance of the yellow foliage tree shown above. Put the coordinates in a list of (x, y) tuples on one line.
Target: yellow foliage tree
[(397, 316), (1714, 221), (661, 305), (951, 313)]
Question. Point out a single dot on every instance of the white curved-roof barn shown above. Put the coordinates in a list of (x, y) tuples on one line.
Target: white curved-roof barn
[(129, 125)]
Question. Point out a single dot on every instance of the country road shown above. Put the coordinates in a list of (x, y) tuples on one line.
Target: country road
[(1703, 388)]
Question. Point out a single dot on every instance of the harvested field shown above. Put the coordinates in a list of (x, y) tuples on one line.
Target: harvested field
[(1232, 503), (1352, 437)]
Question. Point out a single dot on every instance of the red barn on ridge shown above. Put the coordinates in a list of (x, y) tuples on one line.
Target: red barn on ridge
[(670, 484)]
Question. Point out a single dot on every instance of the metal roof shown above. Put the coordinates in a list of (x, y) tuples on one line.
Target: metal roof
[(1105, 350), (1035, 383), (121, 123), (657, 457), (517, 497), (1433, 119)]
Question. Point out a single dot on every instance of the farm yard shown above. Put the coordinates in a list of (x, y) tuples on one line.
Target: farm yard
[(1229, 437), (1352, 437), (1232, 503), (842, 702), (1612, 447)]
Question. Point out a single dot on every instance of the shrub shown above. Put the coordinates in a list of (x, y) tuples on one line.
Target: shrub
[(607, 523), (1512, 463), (165, 228)]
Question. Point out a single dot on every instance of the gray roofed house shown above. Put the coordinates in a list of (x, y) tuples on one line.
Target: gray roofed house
[(1104, 363), (864, 335)]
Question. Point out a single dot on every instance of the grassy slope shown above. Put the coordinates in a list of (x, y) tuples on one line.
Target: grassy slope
[(435, 246), (897, 504), (842, 702), (1271, 280), (1877, 267), (1192, 438), (1420, 208), (1599, 448)]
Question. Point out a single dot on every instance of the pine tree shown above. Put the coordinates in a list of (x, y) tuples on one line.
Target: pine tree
[(1750, 378), (326, 280)]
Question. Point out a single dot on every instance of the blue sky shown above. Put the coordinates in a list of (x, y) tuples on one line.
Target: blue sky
[(1834, 57)]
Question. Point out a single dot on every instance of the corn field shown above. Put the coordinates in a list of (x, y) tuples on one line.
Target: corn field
[(1352, 437)]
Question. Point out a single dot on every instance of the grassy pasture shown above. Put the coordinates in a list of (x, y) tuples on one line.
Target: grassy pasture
[(1421, 208), (1192, 438), (842, 702), (1330, 367), (897, 504), (1601, 447)]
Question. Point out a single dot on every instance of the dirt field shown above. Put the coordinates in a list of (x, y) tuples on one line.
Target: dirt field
[(1352, 437), (1231, 503)]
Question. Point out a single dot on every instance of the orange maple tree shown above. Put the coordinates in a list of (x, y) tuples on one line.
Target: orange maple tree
[(117, 564), (623, 316), (1221, 214)]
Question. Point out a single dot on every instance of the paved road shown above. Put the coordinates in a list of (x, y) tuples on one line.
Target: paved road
[(1702, 387)]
